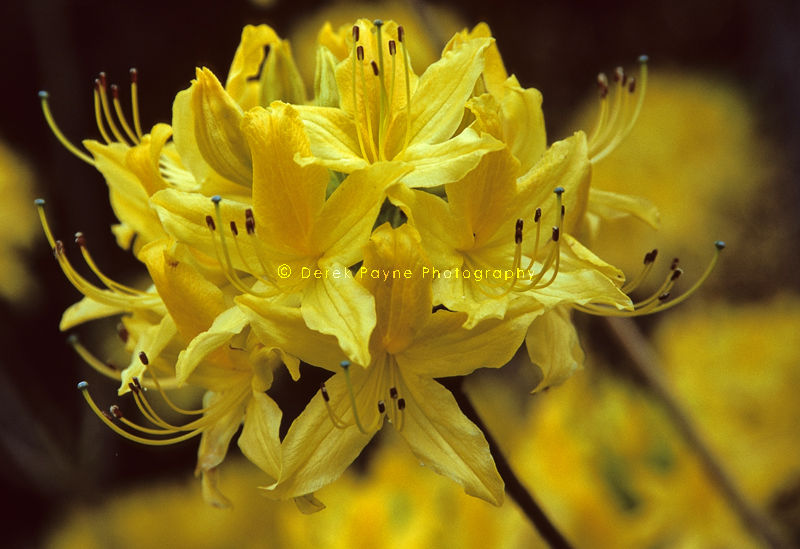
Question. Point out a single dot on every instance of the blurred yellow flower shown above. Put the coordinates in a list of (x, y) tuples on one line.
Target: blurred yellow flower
[(17, 225)]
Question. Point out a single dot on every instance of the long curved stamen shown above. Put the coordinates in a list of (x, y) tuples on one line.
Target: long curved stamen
[(235, 235), (250, 226), (553, 258), (157, 384), (80, 240), (659, 300), (337, 422), (90, 359), (649, 260), (98, 113), (121, 115), (48, 116), (134, 74), (358, 55), (406, 62), (111, 296), (83, 387), (346, 368), (227, 265), (612, 132), (367, 116), (101, 86)]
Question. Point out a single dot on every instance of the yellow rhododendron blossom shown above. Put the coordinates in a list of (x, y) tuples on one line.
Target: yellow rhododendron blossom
[(409, 347), (393, 230), (388, 113)]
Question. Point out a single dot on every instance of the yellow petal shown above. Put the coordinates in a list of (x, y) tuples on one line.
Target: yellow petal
[(259, 440), (326, 93), (444, 347), (308, 504), (442, 438), (246, 64), (224, 327), (192, 301), (280, 80), (441, 163), (143, 159), (494, 72), (333, 139), (287, 197), (341, 307), (217, 121), (437, 105), (443, 231), (284, 328), (392, 272), (85, 310), (611, 205), (553, 346), (128, 197), (523, 123), (315, 452), (346, 220)]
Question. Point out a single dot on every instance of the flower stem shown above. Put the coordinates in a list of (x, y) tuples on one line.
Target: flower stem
[(523, 498), (646, 364)]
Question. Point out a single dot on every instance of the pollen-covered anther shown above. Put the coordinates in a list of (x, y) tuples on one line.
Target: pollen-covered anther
[(393, 393), (556, 234), (249, 221), (660, 299), (617, 114), (518, 232), (115, 411), (401, 404), (381, 407), (537, 215), (650, 256), (80, 240)]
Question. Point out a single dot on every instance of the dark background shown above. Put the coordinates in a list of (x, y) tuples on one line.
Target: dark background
[(52, 450)]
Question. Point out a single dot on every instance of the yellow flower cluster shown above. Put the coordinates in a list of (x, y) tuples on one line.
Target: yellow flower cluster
[(393, 229)]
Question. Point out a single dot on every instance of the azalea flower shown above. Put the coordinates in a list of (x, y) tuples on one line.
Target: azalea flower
[(388, 113), (409, 347)]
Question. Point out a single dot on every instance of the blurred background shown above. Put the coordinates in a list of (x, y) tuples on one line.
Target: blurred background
[(716, 149)]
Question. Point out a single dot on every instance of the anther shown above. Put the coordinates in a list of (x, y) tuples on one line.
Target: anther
[(563, 210), (393, 392), (676, 274), (83, 385), (374, 66), (80, 240), (114, 91), (650, 256), (674, 264), (356, 33), (115, 411), (133, 388), (234, 230), (101, 79), (619, 73), (325, 396), (123, 333), (602, 84), (210, 223), (401, 404), (392, 47), (249, 221), (134, 74), (518, 232), (381, 407), (59, 247), (556, 234), (632, 85), (143, 358), (108, 416), (360, 53), (401, 33), (537, 215), (137, 384), (664, 296)]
